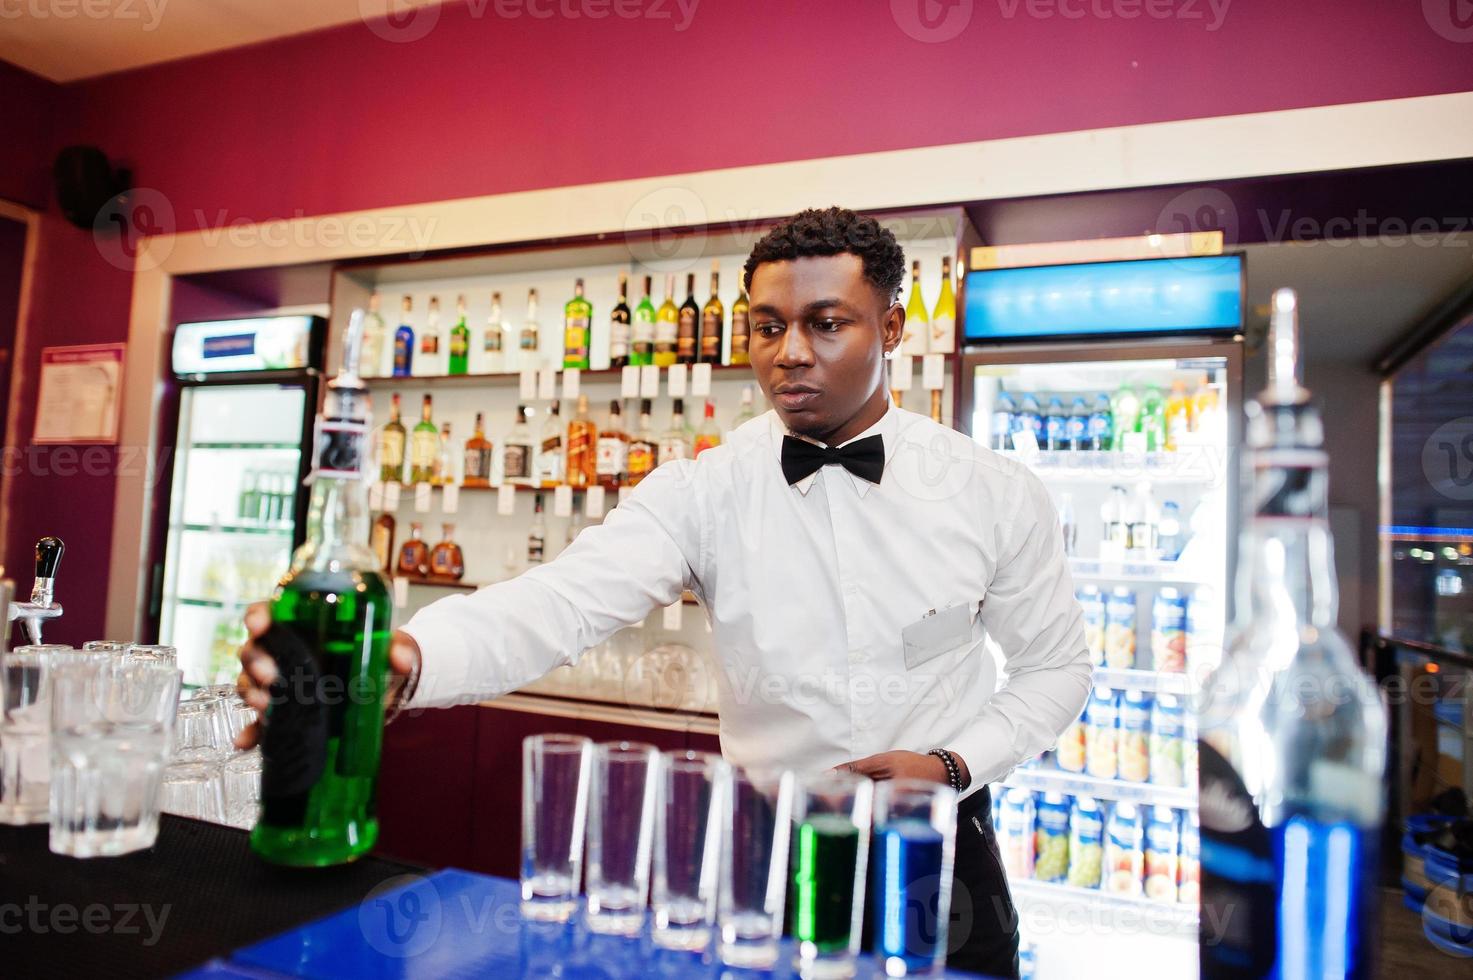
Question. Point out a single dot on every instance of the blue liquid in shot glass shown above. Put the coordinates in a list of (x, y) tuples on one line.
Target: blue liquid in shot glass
[(911, 927)]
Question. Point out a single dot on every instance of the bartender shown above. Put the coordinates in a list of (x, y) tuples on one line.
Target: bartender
[(854, 560)]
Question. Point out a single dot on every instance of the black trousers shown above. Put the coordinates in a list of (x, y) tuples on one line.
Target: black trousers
[(982, 936)]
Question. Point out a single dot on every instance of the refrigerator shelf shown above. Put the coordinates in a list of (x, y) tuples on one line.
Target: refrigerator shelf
[(1082, 784), (1199, 466), (280, 531), (1138, 570), (295, 447), (1171, 915), (1149, 681), (210, 603)]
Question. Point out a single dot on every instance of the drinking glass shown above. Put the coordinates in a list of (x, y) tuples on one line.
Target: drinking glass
[(554, 810), (830, 849), (756, 822), (242, 774), (914, 846), (687, 847), (620, 825), (111, 725), (114, 647), (25, 737), (151, 653), (201, 731), (193, 789)]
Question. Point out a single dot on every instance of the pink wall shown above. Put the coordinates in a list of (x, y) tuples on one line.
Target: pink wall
[(344, 119)]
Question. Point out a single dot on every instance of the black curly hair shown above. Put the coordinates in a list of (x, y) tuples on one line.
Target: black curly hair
[(834, 231)]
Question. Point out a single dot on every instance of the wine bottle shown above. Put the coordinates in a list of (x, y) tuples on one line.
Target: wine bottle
[(493, 344), (430, 353), (577, 328), (667, 321), (531, 334), (404, 340), (713, 321), (619, 326), (371, 360), (642, 331), (688, 324), (917, 323), (424, 446), (740, 328), (943, 317), (391, 445), (460, 340), (330, 613)]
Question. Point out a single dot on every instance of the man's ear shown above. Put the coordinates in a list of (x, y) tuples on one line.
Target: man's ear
[(892, 328)]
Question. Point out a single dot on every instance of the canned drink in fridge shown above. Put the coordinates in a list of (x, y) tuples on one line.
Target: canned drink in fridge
[(1169, 631), (1135, 727), (1016, 840), (1093, 605), (1120, 629), (1162, 842)]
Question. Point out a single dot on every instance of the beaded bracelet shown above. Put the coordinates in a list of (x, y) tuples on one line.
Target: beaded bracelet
[(953, 771)]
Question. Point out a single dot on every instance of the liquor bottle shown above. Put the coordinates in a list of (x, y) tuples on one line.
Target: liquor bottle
[(575, 525), (707, 435), (404, 340), (943, 317), (675, 443), (582, 447), (1293, 734), (414, 554), (551, 462), (424, 447), (371, 359), (493, 343), (740, 327), (713, 322), (537, 536), (642, 331), (431, 355), (577, 329), (446, 558), (917, 323), (530, 357), (518, 459), (460, 340), (445, 458), (391, 445), (644, 450), (667, 325), (688, 324), (619, 326), (381, 540), (613, 449), (477, 458), (745, 413), (330, 614)]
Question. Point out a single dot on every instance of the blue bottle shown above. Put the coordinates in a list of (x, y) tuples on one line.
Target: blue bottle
[(1100, 428), (1002, 422), (1077, 426), (1028, 417), (1055, 426), (404, 342)]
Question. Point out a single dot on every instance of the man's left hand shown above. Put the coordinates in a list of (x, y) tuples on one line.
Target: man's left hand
[(902, 765)]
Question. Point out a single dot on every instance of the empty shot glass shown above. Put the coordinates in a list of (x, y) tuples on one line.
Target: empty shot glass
[(25, 736), (756, 818), (914, 847), (620, 827), (830, 850), (687, 848), (111, 725), (202, 731), (554, 813), (151, 653), (114, 647), (242, 775), (193, 789)]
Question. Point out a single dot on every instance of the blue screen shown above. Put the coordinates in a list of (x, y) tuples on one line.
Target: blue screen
[(1179, 295)]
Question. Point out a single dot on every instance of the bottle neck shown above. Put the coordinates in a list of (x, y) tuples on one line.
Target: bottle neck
[(1286, 563), (338, 514)]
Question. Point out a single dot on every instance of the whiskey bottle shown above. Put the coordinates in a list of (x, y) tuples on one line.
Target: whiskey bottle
[(537, 536), (644, 450), (424, 447), (493, 343), (613, 450), (530, 357), (518, 457), (477, 458), (552, 459), (371, 359), (446, 558), (381, 540), (414, 554), (582, 448)]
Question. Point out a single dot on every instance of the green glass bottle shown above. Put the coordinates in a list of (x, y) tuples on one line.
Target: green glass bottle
[(577, 328), (642, 333), (323, 731), (460, 341)]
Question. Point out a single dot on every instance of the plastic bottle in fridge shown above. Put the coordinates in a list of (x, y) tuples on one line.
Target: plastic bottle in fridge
[(1030, 418), (1125, 412), (1178, 414), (1153, 420), (1051, 839), (1100, 428), (1076, 427), (1016, 838), (1055, 426), (1003, 422)]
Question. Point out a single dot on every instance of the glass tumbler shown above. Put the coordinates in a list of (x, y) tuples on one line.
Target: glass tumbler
[(620, 826), (914, 848), (554, 812), (830, 850), (25, 736), (756, 818), (687, 848)]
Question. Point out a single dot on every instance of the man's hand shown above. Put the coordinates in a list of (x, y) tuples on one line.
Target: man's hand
[(905, 765), (258, 669)]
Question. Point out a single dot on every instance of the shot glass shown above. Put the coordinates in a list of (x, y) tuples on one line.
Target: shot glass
[(151, 653), (554, 813), (687, 848), (830, 850), (756, 819), (193, 789), (111, 725), (242, 775), (914, 847), (114, 647), (201, 731), (25, 737), (620, 825)]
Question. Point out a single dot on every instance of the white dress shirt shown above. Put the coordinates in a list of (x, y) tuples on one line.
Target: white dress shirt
[(808, 589)]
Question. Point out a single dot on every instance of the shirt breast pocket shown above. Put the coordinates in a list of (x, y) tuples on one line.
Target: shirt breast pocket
[(937, 632)]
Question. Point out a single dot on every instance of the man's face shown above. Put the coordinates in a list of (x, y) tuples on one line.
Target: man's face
[(819, 334)]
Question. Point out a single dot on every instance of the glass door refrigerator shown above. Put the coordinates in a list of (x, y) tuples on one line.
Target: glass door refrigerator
[(248, 392), (1118, 383)]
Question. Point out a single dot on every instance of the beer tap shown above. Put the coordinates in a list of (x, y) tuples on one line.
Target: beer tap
[(43, 605)]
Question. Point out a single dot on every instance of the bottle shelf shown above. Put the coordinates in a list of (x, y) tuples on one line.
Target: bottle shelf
[(1149, 681), (1171, 915), (259, 530), (435, 582), (1083, 784), (1198, 466), (1138, 570), (245, 445), (510, 378), (208, 603)]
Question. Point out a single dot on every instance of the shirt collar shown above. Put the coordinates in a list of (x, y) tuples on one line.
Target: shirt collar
[(888, 427)]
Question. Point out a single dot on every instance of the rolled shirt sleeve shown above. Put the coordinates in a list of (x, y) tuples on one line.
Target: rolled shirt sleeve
[(1031, 613), (505, 636)]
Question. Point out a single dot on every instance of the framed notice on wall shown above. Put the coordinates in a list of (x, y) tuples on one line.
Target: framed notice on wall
[(80, 391)]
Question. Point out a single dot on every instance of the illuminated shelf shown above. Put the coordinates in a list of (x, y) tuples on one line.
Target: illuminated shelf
[(1150, 681), (1172, 915), (244, 445), (1198, 466), (1137, 570), (1083, 784), (511, 378), (254, 529)]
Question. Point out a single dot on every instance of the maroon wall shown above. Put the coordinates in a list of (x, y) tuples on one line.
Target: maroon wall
[(33, 107), (345, 119)]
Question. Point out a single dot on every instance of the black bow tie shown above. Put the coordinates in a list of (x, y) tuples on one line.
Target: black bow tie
[(865, 458)]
